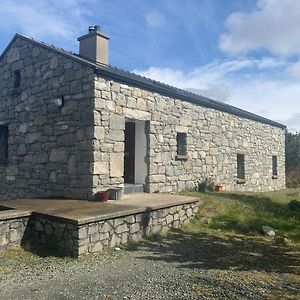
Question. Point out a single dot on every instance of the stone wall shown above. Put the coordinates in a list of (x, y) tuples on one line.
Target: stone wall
[(46, 234), (96, 236), (50, 147), (77, 149), (214, 139), (67, 238), (12, 231)]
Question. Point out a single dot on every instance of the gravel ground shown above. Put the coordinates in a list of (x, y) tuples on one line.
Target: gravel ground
[(178, 266)]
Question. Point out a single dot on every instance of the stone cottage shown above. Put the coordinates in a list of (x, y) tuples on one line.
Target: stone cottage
[(72, 125)]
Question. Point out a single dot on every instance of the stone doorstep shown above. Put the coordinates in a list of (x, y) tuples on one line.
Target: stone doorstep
[(133, 188)]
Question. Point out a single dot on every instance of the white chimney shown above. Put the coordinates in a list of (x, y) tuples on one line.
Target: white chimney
[(94, 45)]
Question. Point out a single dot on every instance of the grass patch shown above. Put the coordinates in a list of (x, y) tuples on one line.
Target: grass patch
[(19, 258), (248, 212)]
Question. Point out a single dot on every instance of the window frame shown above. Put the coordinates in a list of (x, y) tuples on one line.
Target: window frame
[(4, 133), (181, 146), (241, 170), (274, 166), (17, 79)]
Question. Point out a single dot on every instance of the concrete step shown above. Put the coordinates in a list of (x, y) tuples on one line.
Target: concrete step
[(133, 188)]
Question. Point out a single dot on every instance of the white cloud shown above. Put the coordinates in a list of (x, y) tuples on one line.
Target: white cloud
[(294, 70), (213, 78), (54, 19), (155, 19), (274, 25), (198, 80), (293, 123), (256, 85), (274, 99)]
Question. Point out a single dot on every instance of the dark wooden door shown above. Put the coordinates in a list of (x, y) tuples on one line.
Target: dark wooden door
[(129, 155)]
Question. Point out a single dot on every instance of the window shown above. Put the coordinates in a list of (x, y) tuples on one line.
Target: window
[(241, 168), (274, 167), (3, 143), (181, 145), (17, 78)]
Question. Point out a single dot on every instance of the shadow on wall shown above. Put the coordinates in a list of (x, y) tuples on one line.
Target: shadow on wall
[(145, 220)]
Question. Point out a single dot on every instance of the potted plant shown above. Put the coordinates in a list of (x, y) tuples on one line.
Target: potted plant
[(116, 193), (207, 185), (218, 187), (102, 196)]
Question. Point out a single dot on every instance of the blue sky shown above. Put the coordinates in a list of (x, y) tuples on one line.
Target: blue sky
[(243, 52)]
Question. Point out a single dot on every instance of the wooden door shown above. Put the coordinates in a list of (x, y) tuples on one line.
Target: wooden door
[(129, 155)]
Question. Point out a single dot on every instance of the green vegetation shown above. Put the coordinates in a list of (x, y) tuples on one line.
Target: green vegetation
[(206, 186), (246, 213), (293, 160)]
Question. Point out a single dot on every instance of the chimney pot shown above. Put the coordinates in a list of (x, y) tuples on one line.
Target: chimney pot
[(97, 28), (94, 45)]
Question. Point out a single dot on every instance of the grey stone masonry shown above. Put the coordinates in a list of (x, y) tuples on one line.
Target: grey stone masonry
[(49, 146), (51, 235), (66, 132), (12, 230), (214, 138), (96, 236), (43, 233)]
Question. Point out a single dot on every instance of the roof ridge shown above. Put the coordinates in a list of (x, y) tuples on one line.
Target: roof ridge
[(188, 96), (148, 83)]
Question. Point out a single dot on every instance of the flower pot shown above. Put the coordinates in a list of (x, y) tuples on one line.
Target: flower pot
[(102, 196), (116, 193), (219, 188)]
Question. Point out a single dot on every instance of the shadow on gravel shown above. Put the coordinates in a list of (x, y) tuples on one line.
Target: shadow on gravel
[(205, 251)]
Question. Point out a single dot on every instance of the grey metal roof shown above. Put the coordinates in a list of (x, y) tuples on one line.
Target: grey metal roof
[(130, 78)]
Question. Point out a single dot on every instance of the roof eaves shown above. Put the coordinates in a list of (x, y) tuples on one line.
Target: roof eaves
[(61, 51), (8, 46), (147, 83)]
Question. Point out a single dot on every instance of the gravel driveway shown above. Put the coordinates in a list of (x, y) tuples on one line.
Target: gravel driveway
[(179, 266)]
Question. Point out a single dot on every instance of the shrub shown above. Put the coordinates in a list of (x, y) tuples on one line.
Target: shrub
[(293, 178), (205, 186), (294, 205)]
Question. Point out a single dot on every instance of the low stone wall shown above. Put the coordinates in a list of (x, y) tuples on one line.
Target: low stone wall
[(12, 230), (66, 237), (51, 235), (94, 237)]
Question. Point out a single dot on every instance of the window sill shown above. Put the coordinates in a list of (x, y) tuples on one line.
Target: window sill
[(3, 162), (275, 177), (240, 181), (181, 157)]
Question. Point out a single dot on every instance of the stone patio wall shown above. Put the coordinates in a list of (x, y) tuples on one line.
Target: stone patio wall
[(96, 236), (12, 231), (67, 238), (51, 235)]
